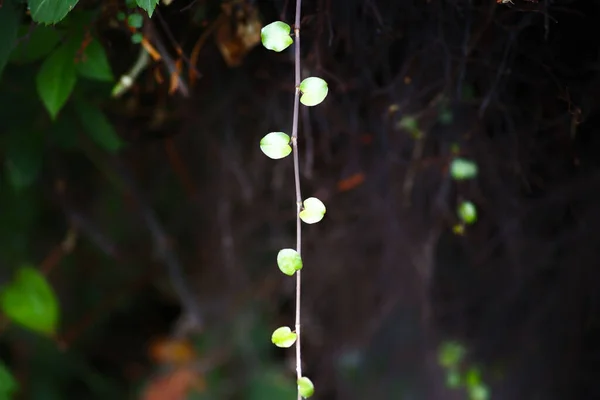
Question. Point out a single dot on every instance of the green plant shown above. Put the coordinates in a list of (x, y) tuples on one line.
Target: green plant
[(459, 375), (276, 145), (71, 63)]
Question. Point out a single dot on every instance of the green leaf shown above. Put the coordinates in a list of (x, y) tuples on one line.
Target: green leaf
[(289, 261), (135, 20), (453, 378), (137, 38), (409, 123), (283, 337), (473, 377), (276, 145), (94, 64), (56, 79), (98, 127), (8, 384), (305, 387), (9, 29), (30, 301), (451, 354), (479, 392), (50, 11), (40, 41), (462, 169), (314, 210), (147, 5), (276, 36), (467, 212), (314, 90)]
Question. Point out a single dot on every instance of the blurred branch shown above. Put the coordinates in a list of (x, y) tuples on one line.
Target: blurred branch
[(118, 174), (162, 248)]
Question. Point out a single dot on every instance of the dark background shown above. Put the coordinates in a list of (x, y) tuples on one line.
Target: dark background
[(188, 218)]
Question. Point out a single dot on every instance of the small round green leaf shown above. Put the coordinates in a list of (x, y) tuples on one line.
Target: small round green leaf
[(459, 229), (314, 90), (467, 212), (283, 337), (137, 38), (276, 36), (29, 300), (289, 261), (409, 123), (451, 354), (305, 387), (453, 378), (276, 145), (314, 210), (462, 169), (479, 392), (135, 20), (473, 377)]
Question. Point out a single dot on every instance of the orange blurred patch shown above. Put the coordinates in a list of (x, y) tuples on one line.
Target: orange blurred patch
[(351, 182), (172, 351), (175, 385)]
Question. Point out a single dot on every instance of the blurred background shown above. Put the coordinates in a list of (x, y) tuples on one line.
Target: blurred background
[(156, 220)]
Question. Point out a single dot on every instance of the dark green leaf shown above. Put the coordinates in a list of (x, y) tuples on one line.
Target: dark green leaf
[(98, 127), (30, 301), (50, 11), (56, 79), (9, 28), (23, 158), (8, 384), (135, 20), (94, 64), (137, 38), (38, 43), (147, 5)]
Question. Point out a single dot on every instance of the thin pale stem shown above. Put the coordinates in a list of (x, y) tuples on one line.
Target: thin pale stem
[(297, 181)]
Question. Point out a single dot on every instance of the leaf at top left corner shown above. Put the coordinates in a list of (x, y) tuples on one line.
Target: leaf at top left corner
[(9, 28), (50, 11), (56, 79)]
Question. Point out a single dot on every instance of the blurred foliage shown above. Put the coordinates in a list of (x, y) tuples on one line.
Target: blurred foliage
[(57, 81)]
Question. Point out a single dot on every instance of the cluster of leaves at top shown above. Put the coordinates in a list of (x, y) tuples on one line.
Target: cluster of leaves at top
[(68, 52), (276, 145)]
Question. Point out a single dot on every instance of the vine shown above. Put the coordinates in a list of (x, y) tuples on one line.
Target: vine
[(276, 145)]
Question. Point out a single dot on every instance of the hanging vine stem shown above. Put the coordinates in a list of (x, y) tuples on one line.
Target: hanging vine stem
[(297, 182), (276, 145)]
